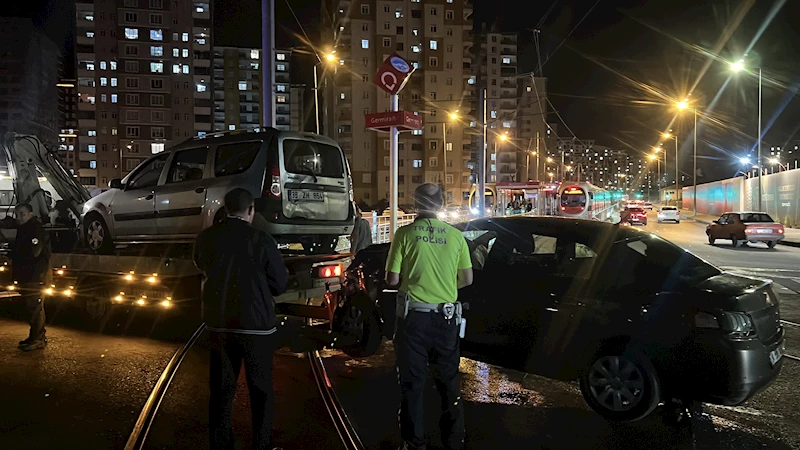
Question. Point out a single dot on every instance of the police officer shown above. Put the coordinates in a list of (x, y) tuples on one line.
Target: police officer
[(30, 268), (430, 261)]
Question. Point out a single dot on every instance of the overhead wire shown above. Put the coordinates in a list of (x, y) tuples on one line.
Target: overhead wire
[(571, 31)]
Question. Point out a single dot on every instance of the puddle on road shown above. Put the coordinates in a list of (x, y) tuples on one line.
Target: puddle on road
[(482, 383)]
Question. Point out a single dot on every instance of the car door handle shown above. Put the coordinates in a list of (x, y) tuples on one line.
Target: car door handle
[(149, 197), (200, 190)]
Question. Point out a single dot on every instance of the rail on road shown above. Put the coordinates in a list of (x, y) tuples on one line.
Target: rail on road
[(339, 418)]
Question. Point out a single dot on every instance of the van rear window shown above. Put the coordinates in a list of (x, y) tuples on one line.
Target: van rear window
[(307, 157), (233, 159)]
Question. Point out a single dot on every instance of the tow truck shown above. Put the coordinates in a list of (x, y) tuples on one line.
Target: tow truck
[(164, 276)]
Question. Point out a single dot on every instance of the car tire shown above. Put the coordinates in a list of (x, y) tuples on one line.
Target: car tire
[(677, 221), (659, 221), (352, 321), (711, 240), (771, 244), (734, 241), (97, 235), (608, 397)]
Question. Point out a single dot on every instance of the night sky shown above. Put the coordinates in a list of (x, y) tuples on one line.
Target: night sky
[(614, 73)]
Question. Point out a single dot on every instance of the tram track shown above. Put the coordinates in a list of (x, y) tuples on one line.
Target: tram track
[(340, 421)]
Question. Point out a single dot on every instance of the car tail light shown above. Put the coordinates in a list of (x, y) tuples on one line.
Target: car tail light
[(780, 230), (275, 187), (734, 323), (748, 231), (333, 271), (563, 208)]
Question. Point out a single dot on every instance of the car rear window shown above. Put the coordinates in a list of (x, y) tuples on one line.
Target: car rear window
[(233, 159), (669, 208), (636, 210), (309, 157), (756, 218)]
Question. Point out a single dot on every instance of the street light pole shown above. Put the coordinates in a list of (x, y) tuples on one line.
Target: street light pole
[(537, 156), (760, 174), (444, 158), (694, 167), (677, 186), (316, 98)]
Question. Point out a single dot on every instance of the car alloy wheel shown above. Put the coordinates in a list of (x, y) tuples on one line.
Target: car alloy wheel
[(616, 383), (95, 234)]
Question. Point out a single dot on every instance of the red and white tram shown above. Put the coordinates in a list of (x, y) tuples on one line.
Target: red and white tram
[(584, 201)]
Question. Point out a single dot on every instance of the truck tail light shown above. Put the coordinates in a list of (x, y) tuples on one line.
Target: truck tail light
[(275, 186), (333, 271)]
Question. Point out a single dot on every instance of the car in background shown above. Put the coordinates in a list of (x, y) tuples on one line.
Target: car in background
[(635, 216), (628, 314), (669, 213), (744, 227), (648, 206), (301, 182)]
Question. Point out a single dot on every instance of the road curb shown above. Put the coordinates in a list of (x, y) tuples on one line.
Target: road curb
[(784, 242)]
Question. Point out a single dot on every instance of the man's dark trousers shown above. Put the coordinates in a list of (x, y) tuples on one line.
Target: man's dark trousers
[(34, 304), (426, 339), (228, 350)]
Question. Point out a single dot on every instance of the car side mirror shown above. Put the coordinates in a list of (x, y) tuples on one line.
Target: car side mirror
[(717, 222), (115, 183)]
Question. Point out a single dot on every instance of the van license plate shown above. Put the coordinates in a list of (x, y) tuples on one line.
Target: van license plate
[(775, 355), (306, 196)]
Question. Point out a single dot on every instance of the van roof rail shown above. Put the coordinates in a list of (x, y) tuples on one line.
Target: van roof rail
[(230, 133)]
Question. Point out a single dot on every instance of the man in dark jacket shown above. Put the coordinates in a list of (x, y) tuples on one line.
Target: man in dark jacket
[(30, 269), (243, 270)]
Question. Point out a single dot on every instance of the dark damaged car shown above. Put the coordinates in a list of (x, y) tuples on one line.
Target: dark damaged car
[(634, 318)]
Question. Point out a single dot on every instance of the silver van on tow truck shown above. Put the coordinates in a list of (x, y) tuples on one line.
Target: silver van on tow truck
[(301, 180)]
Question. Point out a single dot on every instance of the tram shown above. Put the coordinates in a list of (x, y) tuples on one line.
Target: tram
[(585, 201)]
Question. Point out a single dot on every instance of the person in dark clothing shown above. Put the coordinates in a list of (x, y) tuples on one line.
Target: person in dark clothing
[(243, 271), (361, 237), (30, 269)]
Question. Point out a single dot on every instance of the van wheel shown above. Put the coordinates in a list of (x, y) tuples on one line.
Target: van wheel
[(620, 386), (97, 235)]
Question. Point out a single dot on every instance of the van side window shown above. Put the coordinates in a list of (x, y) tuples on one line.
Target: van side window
[(313, 158), (188, 165), (233, 159), (148, 174)]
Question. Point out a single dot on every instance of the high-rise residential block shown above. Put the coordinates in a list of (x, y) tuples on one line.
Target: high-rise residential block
[(29, 72), (436, 37), (144, 81), (238, 100)]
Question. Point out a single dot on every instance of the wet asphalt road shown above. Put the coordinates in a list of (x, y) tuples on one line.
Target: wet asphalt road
[(85, 391)]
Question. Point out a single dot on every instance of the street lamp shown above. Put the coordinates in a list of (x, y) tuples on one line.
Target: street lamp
[(744, 160), (739, 66), (669, 135), (682, 106), (453, 116), (329, 58)]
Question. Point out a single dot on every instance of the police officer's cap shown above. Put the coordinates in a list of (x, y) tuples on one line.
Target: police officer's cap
[(428, 197)]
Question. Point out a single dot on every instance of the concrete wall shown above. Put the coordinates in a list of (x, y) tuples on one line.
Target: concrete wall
[(780, 200)]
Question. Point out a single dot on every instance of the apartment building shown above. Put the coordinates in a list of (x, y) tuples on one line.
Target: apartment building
[(436, 37), (29, 64), (297, 107), (144, 81), (605, 167), (68, 121), (238, 99), (531, 118)]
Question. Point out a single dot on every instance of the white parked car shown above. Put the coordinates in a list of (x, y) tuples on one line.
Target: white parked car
[(669, 213)]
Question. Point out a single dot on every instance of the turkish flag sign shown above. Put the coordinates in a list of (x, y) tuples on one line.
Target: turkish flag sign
[(393, 74)]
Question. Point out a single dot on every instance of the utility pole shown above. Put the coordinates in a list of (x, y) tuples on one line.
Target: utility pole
[(480, 191), (268, 60)]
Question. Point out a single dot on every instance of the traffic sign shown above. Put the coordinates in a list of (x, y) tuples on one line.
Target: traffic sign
[(384, 121), (393, 74)]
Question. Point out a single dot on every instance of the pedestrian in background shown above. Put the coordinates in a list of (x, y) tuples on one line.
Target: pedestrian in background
[(30, 269), (243, 271), (430, 261), (361, 237)]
